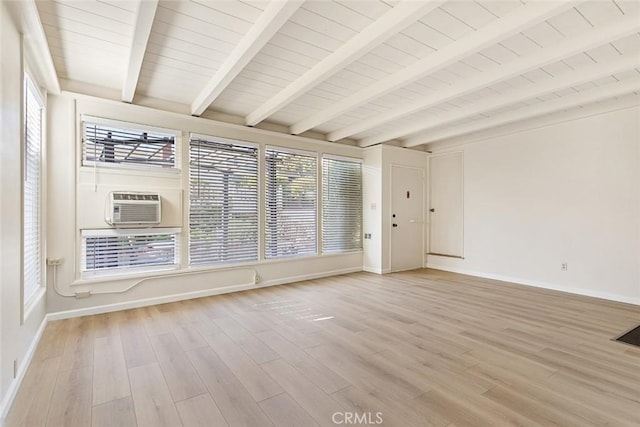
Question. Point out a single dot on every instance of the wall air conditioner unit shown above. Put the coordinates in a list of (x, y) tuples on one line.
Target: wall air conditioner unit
[(133, 209)]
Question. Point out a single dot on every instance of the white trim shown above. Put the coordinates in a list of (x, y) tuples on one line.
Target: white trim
[(191, 295), (14, 386), (110, 232), (538, 284)]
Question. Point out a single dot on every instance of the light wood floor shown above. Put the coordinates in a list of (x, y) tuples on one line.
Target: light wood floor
[(422, 348)]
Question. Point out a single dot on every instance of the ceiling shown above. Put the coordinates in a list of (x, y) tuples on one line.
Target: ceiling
[(403, 72)]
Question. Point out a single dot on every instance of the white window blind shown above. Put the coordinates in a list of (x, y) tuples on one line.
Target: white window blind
[(341, 205), (107, 144), (223, 202), (32, 230), (291, 204), (124, 251)]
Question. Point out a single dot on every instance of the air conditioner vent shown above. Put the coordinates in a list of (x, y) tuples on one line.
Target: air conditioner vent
[(133, 209)]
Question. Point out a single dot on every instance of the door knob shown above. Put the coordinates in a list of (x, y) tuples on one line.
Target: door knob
[(432, 210), (394, 225)]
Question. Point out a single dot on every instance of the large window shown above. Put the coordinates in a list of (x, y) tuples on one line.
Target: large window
[(32, 171), (108, 144), (291, 203), (341, 205), (127, 251), (223, 202)]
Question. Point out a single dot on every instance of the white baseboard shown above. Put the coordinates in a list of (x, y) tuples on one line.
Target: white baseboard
[(537, 284), (5, 405), (108, 308)]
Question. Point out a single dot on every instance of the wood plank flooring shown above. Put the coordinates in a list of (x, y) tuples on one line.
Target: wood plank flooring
[(418, 348)]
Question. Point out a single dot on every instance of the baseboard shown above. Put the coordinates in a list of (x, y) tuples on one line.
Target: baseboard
[(537, 284), (22, 370), (108, 308), (372, 270)]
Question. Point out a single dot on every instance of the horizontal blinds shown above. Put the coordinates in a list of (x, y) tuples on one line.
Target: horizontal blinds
[(341, 205), (223, 203), (127, 251), (291, 204), (31, 192), (111, 145)]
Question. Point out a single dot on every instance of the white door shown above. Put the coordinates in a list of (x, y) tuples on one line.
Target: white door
[(445, 205), (407, 218)]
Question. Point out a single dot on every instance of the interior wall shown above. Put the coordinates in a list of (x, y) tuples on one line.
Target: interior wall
[(377, 201), (65, 179), (565, 193), (16, 335)]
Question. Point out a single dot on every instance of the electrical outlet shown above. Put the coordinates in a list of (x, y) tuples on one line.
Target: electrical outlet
[(258, 279), (565, 266), (55, 261)]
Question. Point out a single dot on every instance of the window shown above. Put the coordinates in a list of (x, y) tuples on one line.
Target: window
[(223, 202), (32, 229), (341, 205), (107, 144), (128, 251), (291, 206)]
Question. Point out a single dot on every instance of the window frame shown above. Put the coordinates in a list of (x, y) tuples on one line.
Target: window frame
[(317, 206), (259, 201), (28, 301), (125, 272), (133, 167), (360, 162)]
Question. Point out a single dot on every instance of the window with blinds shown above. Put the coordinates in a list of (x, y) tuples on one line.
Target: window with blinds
[(223, 202), (291, 203), (128, 251), (341, 205), (32, 170), (107, 144)]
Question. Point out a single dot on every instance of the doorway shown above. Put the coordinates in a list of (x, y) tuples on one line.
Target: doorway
[(407, 218), (446, 205)]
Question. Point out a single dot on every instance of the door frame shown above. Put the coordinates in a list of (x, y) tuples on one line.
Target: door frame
[(423, 170), (431, 156)]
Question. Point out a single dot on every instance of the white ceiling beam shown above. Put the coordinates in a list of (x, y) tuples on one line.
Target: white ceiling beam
[(585, 75), (141, 31), (591, 96), (403, 14), (592, 38), (276, 14), (525, 16), (26, 16)]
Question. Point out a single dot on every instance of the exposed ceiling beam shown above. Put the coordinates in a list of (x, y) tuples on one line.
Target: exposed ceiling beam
[(26, 16), (525, 16), (403, 14), (276, 14), (141, 32), (585, 75), (593, 38), (598, 94)]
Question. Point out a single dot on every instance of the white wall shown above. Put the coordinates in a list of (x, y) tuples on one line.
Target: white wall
[(16, 335), (70, 208), (377, 190), (568, 192)]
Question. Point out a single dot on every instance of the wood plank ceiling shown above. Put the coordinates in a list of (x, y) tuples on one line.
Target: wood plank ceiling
[(370, 71)]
